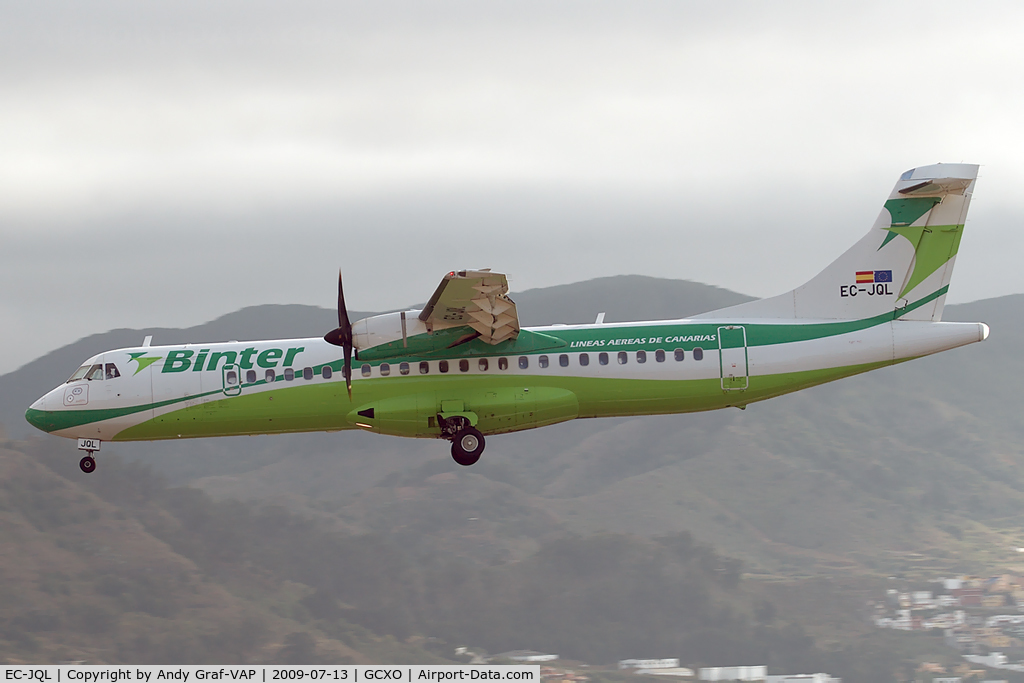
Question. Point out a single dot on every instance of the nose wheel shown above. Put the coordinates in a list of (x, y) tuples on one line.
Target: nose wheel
[(467, 446), (88, 464)]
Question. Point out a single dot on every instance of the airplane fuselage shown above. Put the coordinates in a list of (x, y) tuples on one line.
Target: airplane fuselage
[(547, 375)]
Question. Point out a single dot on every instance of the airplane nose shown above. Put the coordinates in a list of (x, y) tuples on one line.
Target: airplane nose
[(38, 416)]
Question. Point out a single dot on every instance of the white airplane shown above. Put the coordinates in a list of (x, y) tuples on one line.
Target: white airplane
[(462, 368)]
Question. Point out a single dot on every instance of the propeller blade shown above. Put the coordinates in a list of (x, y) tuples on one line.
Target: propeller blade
[(342, 336), (342, 311)]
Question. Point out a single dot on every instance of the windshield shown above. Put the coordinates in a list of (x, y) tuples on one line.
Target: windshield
[(91, 371), (80, 373)]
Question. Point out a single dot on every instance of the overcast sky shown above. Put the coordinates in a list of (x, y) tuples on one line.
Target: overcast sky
[(164, 163)]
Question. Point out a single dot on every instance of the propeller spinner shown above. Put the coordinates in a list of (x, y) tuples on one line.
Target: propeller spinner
[(342, 336)]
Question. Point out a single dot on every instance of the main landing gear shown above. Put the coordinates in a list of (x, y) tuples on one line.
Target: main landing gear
[(88, 464), (467, 446), (467, 440)]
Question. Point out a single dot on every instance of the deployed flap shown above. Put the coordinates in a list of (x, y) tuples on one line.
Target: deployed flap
[(476, 299)]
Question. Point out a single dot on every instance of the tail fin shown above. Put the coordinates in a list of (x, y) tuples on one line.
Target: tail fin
[(902, 266)]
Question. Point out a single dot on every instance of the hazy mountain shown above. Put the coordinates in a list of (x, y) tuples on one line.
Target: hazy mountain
[(123, 569), (913, 465), (913, 469)]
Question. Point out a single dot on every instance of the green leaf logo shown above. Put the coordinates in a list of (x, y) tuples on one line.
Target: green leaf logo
[(140, 358)]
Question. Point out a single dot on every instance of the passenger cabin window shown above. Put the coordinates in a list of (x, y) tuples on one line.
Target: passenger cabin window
[(403, 368), (641, 356), (231, 377), (326, 372), (542, 361), (659, 356), (442, 366), (95, 372), (623, 357), (679, 354), (482, 364), (602, 358), (307, 374), (524, 362), (698, 353), (112, 372), (250, 376), (366, 369), (463, 365), (563, 360), (584, 359), (269, 377), (503, 363), (424, 367), (385, 369), (289, 374)]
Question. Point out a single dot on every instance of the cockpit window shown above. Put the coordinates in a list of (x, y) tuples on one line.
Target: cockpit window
[(79, 373), (95, 372), (112, 372)]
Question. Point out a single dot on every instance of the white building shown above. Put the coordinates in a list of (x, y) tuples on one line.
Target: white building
[(679, 671), (649, 664), (802, 678), (993, 660), (526, 656), (733, 673)]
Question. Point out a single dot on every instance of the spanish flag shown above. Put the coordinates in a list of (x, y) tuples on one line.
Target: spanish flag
[(865, 276)]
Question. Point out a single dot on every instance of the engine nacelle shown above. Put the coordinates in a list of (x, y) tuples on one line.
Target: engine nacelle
[(386, 328)]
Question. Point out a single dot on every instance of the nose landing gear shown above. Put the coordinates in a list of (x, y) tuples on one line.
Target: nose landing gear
[(90, 446)]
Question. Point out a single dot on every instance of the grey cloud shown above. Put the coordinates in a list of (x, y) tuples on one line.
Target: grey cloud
[(216, 155)]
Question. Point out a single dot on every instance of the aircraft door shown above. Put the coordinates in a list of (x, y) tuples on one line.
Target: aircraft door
[(732, 355), (231, 378)]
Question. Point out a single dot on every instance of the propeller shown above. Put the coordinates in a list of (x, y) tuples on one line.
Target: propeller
[(342, 336)]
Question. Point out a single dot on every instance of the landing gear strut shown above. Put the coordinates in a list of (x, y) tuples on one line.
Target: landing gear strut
[(88, 464), (467, 446)]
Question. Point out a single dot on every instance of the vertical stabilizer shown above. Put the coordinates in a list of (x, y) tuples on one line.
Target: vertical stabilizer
[(902, 266)]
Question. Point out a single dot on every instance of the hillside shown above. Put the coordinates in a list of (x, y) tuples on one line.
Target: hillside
[(911, 470), (124, 569), (904, 468)]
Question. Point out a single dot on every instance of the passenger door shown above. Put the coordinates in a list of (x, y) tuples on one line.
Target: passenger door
[(732, 354)]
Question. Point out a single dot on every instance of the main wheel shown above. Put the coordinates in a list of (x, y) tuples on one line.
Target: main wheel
[(88, 464), (467, 446)]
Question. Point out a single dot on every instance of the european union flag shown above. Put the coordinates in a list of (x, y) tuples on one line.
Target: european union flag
[(883, 276)]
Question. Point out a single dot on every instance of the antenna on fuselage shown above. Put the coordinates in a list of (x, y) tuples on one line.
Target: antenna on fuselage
[(147, 341)]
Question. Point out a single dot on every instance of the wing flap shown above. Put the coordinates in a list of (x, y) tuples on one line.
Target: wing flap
[(473, 298)]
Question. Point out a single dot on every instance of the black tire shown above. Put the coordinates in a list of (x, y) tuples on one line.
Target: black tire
[(467, 446), (88, 464)]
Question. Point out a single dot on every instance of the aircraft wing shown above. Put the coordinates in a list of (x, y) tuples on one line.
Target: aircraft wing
[(473, 298)]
